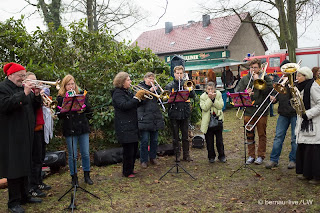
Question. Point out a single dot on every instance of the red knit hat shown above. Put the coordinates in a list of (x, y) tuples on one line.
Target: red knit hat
[(10, 68)]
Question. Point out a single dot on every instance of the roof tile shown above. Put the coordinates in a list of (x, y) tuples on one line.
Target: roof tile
[(192, 36)]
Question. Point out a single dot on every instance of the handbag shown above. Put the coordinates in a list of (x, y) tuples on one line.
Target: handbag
[(213, 121)]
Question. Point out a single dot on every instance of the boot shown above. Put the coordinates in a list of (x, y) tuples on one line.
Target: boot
[(87, 178), (74, 180)]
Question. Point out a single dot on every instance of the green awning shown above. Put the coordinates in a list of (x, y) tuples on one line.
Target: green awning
[(204, 65)]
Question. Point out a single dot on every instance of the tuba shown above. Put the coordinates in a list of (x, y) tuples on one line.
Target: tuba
[(296, 101)]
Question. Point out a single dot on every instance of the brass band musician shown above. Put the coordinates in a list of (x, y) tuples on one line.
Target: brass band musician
[(258, 97)]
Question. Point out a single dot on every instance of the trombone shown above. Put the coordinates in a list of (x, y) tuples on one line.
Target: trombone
[(148, 95), (164, 96), (155, 90), (283, 81), (259, 84)]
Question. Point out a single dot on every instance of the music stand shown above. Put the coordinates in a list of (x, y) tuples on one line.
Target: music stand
[(67, 107), (177, 165), (242, 99)]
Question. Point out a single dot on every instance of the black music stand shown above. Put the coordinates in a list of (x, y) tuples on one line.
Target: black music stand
[(72, 205), (245, 165), (242, 100), (177, 165)]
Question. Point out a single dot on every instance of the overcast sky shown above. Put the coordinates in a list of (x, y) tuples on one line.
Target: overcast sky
[(178, 12)]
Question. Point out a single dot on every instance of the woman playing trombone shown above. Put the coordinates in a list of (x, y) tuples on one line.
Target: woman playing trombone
[(258, 96), (150, 120), (126, 120)]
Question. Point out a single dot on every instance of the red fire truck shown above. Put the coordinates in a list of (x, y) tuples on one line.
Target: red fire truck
[(310, 57)]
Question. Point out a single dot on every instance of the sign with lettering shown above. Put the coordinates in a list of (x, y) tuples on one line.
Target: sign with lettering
[(202, 56)]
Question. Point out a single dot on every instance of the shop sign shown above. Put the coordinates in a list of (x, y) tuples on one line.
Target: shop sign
[(202, 56)]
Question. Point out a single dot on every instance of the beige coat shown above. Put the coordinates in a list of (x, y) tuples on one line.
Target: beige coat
[(208, 107), (311, 137)]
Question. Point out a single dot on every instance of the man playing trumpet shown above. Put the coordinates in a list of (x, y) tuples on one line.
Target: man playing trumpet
[(179, 113), (258, 96)]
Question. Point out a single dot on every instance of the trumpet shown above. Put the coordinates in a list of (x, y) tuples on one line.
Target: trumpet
[(44, 84), (148, 95), (260, 83), (49, 103)]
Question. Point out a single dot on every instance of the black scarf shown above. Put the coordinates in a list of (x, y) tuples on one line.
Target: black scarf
[(306, 125)]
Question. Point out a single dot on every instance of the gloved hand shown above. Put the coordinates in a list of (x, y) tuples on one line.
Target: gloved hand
[(304, 116), (140, 95)]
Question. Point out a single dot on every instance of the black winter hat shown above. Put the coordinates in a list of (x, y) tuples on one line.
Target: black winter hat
[(285, 61)]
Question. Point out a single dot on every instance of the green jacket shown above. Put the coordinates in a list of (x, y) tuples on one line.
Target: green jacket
[(258, 97), (208, 106)]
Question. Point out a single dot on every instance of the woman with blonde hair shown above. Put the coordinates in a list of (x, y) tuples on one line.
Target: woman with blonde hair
[(75, 128), (211, 103), (126, 120)]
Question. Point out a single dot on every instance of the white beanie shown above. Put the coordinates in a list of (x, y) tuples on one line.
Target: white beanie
[(306, 71)]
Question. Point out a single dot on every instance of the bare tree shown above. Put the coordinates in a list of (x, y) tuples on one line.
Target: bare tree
[(117, 16), (51, 11), (278, 17)]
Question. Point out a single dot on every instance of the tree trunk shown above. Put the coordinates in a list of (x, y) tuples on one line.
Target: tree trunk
[(284, 24), (292, 20), (90, 14), (51, 12)]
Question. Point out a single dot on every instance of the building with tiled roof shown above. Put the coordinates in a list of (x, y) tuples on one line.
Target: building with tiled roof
[(207, 43)]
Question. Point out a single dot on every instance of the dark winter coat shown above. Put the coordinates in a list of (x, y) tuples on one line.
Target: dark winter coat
[(285, 108), (125, 115), (149, 114), (17, 122), (75, 123), (179, 110)]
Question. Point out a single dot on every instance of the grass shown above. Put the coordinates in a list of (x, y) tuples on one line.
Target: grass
[(275, 190)]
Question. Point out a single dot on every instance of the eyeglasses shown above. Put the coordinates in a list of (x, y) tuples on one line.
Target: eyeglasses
[(21, 75)]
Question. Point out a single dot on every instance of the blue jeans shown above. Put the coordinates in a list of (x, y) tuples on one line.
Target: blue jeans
[(84, 150), (271, 110), (145, 135), (281, 131)]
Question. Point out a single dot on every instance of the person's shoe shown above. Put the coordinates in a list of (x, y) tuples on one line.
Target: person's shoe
[(131, 176), (187, 158), (134, 172), (250, 160), (16, 209), (87, 178), (144, 165), (154, 162), (314, 181), (211, 160), (37, 193), (258, 161), (291, 165), (223, 159), (271, 164), (74, 180), (301, 177), (44, 186), (31, 200)]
